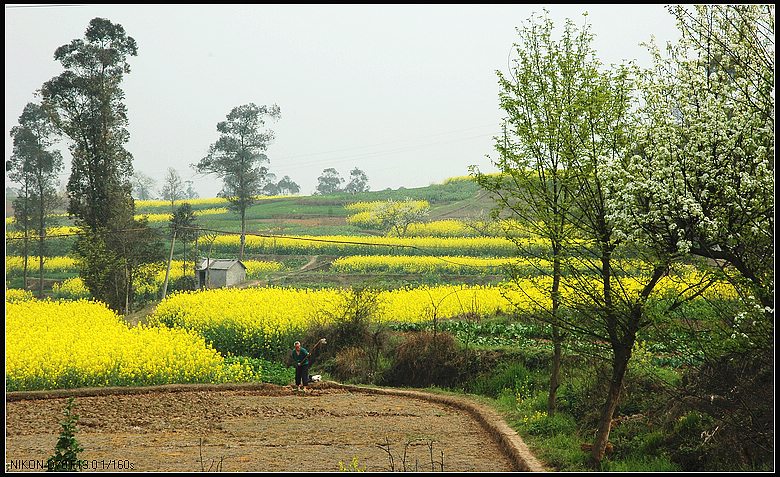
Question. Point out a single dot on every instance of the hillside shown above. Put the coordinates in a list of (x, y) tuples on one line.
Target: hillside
[(456, 199)]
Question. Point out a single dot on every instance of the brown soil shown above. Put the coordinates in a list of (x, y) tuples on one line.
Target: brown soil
[(261, 428)]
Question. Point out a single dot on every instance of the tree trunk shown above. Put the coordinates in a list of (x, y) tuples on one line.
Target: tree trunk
[(40, 276), (168, 270), (555, 379), (128, 291), (243, 233), (26, 253), (184, 260), (42, 228), (557, 338), (26, 248), (620, 357)]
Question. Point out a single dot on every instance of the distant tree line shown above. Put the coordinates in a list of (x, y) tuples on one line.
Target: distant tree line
[(330, 182), (175, 188)]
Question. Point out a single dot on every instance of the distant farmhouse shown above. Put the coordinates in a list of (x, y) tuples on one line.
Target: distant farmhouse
[(217, 273)]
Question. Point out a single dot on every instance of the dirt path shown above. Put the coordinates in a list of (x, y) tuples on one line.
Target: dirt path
[(310, 263), (260, 428)]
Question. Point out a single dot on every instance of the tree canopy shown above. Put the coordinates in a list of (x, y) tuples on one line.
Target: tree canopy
[(86, 104), (238, 155), (329, 182), (358, 182)]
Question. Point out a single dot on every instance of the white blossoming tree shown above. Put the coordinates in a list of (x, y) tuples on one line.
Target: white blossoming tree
[(700, 181), (702, 178)]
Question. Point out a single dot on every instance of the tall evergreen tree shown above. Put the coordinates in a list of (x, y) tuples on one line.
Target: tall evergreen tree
[(36, 169), (237, 157), (86, 104)]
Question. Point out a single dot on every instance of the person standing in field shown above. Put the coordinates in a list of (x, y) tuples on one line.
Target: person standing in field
[(301, 358)]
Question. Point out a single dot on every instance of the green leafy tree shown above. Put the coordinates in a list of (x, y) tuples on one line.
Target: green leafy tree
[(539, 96), (36, 170), (190, 192), (615, 307), (237, 157), (110, 262), (288, 186), (329, 182), (271, 189), (184, 224), (86, 104), (358, 182), (566, 116)]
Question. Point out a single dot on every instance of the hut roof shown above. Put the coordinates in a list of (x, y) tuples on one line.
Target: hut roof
[(219, 264)]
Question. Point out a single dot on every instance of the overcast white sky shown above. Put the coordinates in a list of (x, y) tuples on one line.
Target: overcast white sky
[(407, 93)]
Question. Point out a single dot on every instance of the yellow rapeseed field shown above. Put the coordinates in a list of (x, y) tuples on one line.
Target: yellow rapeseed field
[(370, 245), (428, 264), (74, 288), (50, 264), (167, 217), (262, 320), (64, 344), (50, 232)]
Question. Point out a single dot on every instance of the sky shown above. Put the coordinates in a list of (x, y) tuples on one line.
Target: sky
[(406, 93)]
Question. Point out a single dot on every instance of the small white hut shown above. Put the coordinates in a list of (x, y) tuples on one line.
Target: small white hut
[(219, 272)]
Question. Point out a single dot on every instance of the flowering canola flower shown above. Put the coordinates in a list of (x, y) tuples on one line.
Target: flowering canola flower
[(64, 344), (369, 245)]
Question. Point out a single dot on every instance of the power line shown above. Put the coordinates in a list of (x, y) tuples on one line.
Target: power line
[(47, 6), (69, 234), (374, 154), (398, 147), (382, 143)]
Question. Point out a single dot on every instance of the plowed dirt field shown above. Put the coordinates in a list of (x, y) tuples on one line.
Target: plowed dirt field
[(272, 429)]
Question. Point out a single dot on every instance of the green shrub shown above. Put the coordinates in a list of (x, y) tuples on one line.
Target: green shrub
[(507, 375), (66, 452), (426, 359)]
